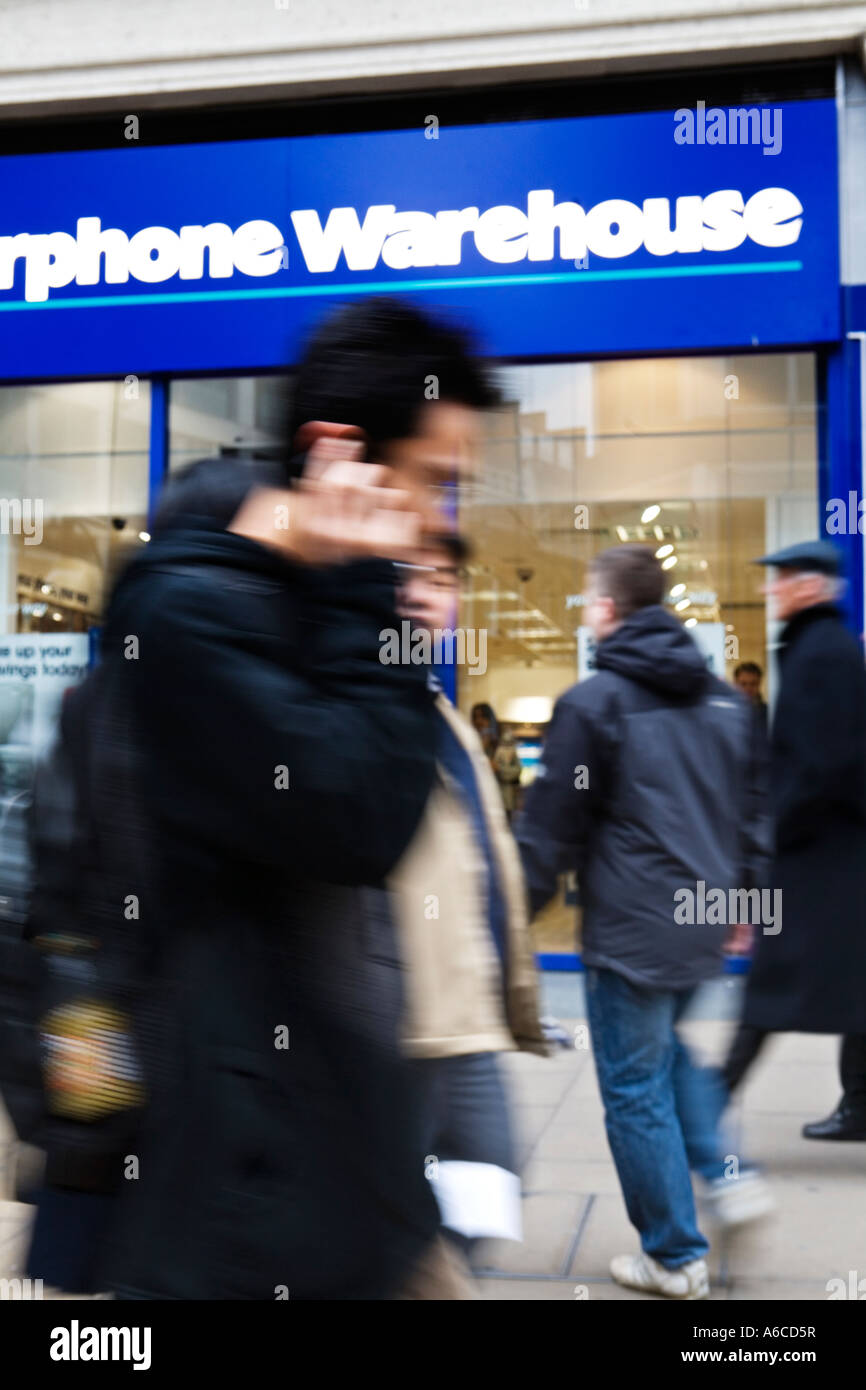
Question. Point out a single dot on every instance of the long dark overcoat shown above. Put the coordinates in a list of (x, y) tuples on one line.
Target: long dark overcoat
[(811, 976), (286, 771)]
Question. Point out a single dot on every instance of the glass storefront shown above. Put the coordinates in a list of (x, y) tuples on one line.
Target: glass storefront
[(74, 500), (218, 416), (74, 458), (710, 460)]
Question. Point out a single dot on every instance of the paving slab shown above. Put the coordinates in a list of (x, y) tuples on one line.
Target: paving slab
[(551, 1222), (779, 1290), (527, 1290), (606, 1232)]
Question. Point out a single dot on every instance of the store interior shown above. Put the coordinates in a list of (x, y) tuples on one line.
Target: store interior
[(77, 453), (712, 461)]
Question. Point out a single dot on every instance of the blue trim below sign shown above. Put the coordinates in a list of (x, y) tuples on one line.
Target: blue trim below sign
[(158, 459), (840, 469), (471, 282)]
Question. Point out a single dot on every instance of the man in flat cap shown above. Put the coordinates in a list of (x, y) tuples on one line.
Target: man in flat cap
[(811, 976)]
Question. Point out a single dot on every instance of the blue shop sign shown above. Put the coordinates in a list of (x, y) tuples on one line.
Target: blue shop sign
[(664, 231)]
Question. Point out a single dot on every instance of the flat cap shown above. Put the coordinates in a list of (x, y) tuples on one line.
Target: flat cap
[(808, 555)]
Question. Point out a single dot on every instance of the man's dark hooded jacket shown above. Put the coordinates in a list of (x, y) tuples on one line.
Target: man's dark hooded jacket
[(650, 784), (284, 770)]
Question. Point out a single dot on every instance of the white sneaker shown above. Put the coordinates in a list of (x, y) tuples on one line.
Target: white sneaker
[(644, 1273), (736, 1201)]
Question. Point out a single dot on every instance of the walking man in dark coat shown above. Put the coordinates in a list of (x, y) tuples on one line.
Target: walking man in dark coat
[(285, 769), (811, 977), (650, 788)]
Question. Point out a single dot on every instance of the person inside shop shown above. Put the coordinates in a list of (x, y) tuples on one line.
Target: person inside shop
[(810, 976), (486, 726), (507, 768), (652, 743), (748, 677)]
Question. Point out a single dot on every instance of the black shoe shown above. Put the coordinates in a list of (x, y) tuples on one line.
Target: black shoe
[(844, 1123)]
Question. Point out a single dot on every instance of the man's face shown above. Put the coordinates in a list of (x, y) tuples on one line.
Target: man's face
[(427, 595), (441, 452), (750, 684), (790, 591)]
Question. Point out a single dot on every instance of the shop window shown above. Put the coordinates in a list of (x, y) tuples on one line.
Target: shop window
[(211, 417), (73, 508), (712, 461), (73, 484)]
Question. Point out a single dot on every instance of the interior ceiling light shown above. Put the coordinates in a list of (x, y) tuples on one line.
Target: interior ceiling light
[(691, 622), (659, 533), (536, 632), (144, 535), (683, 603), (669, 563), (664, 550), (677, 590), (650, 513), (622, 533)]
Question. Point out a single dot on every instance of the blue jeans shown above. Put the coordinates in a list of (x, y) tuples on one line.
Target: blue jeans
[(661, 1111)]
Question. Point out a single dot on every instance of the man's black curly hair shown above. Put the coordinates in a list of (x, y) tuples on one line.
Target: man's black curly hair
[(373, 364)]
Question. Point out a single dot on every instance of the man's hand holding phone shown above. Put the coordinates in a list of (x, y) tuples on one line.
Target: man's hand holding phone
[(341, 509)]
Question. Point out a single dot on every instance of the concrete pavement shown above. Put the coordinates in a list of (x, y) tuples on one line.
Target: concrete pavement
[(574, 1219)]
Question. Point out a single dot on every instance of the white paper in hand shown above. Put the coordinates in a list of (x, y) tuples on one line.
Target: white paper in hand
[(478, 1199)]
